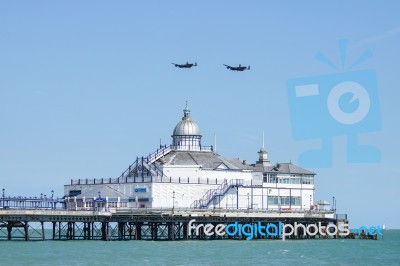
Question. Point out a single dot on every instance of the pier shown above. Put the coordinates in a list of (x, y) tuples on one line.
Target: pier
[(49, 218), (142, 224)]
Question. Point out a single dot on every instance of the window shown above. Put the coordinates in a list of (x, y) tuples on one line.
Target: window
[(308, 179), (73, 193), (272, 178), (289, 179), (288, 201), (284, 180)]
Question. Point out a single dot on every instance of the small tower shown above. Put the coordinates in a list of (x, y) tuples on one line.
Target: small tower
[(263, 156)]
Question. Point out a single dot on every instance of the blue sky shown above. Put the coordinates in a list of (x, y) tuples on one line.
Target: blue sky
[(85, 87)]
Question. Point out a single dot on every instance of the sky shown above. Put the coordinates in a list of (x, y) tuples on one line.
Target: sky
[(86, 86)]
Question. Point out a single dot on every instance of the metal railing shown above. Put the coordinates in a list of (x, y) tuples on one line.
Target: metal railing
[(164, 150), (211, 194), (147, 179), (192, 148), (149, 160), (20, 202)]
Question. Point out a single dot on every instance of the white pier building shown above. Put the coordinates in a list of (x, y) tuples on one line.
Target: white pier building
[(187, 174)]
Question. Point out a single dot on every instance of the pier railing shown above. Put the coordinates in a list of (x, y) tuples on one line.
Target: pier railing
[(148, 179), (9, 202), (177, 211)]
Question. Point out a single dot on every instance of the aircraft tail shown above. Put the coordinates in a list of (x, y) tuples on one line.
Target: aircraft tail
[(248, 68), (195, 63)]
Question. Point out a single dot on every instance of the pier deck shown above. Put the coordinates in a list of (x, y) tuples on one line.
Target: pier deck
[(139, 224)]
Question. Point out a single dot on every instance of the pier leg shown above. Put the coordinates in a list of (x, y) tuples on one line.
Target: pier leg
[(73, 230), (121, 230), (154, 231), (26, 231), (171, 231), (43, 233), (185, 232), (89, 228), (69, 231), (9, 230), (54, 230), (59, 230), (138, 234), (84, 231), (104, 231)]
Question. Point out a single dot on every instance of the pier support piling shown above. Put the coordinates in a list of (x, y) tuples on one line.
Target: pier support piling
[(9, 231), (104, 231)]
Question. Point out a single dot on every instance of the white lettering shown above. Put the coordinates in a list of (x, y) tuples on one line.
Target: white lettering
[(220, 229), (297, 226), (329, 231), (284, 229), (344, 229), (315, 231), (208, 229)]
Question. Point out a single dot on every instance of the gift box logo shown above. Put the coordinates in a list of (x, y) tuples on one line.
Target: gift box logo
[(325, 106)]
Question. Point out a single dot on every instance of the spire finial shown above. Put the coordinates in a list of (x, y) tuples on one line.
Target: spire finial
[(263, 140), (186, 111), (215, 142), (263, 143)]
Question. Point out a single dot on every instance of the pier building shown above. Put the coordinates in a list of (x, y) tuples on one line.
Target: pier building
[(188, 174)]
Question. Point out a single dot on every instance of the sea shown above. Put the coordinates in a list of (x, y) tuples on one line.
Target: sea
[(384, 251)]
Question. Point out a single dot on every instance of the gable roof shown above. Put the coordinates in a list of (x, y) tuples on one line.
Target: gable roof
[(221, 166)]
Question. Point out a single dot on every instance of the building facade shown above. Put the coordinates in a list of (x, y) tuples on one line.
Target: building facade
[(187, 174)]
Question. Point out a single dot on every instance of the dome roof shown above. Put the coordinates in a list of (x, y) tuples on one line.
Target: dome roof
[(186, 126)]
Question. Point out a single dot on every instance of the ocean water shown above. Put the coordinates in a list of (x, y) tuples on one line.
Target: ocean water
[(384, 251)]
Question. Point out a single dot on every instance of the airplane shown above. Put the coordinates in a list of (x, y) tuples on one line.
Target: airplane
[(187, 65), (239, 68)]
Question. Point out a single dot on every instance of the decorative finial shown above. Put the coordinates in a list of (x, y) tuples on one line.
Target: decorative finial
[(186, 111), (263, 144), (215, 142), (263, 140)]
